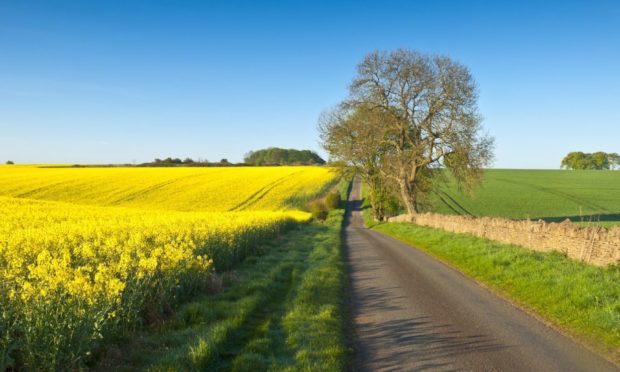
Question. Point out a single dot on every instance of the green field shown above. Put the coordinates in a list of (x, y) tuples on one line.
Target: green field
[(552, 195)]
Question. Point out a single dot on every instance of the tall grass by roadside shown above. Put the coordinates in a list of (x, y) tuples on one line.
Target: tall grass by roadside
[(282, 310)]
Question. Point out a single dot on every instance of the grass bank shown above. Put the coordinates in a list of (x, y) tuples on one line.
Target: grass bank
[(581, 299), (280, 310)]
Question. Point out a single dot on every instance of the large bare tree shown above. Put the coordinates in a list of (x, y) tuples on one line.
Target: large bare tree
[(425, 117)]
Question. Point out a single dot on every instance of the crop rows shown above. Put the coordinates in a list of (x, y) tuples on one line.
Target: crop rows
[(72, 276)]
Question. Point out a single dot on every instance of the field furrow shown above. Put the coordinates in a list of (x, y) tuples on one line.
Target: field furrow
[(92, 253)]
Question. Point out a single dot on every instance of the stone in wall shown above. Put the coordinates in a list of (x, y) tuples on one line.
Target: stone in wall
[(595, 245)]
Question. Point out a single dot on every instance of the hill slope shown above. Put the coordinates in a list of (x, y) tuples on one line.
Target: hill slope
[(552, 195), (182, 189)]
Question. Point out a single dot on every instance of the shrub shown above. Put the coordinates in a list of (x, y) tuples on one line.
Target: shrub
[(318, 209), (10, 162), (333, 200)]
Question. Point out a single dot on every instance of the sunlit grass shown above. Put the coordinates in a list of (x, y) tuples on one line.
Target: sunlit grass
[(282, 310), (588, 197), (582, 299)]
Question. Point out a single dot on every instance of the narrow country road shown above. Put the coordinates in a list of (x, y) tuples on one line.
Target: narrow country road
[(412, 312)]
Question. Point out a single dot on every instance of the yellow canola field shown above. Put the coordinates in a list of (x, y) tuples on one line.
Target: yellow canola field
[(215, 189), (73, 273)]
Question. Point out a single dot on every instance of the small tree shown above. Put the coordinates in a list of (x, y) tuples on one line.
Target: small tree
[(349, 135), (600, 160), (333, 200), (318, 210), (9, 162), (574, 160)]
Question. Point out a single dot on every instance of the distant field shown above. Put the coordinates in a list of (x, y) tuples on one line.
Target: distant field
[(553, 195), (181, 189)]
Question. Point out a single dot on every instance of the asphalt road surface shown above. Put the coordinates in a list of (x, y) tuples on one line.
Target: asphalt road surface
[(411, 312)]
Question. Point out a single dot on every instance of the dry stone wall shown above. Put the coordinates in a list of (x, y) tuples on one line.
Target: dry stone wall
[(595, 245)]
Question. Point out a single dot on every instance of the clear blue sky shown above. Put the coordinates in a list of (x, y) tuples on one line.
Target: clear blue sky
[(122, 81)]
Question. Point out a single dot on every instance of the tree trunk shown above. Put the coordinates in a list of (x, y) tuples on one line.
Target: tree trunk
[(408, 197)]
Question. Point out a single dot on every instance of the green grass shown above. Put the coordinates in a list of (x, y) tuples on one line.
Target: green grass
[(553, 195), (300, 201), (582, 299), (282, 310)]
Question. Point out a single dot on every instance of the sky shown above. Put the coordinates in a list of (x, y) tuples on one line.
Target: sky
[(129, 81)]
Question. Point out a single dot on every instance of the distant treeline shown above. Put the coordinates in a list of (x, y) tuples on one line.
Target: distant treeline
[(188, 162), (278, 156), (598, 160), (167, 162), (271, 156)]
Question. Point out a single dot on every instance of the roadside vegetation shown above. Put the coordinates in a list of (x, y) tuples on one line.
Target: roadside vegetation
[(282, 309), (579, 298)]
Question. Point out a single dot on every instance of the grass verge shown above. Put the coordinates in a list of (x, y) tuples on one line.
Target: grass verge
[(282, 310), (582, 299)]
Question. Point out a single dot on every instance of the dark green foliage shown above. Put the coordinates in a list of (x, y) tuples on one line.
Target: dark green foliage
[(9, 162), (187, 162), (168, 161), (278, 156), (392, 206), (333, 200), (599, 160), (318, 209)]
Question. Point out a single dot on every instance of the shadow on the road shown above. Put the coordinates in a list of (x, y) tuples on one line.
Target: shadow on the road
[(418, 341), (429, 345), (352, 206)]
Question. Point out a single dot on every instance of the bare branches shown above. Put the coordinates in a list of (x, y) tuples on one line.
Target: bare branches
[(410, 113)]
